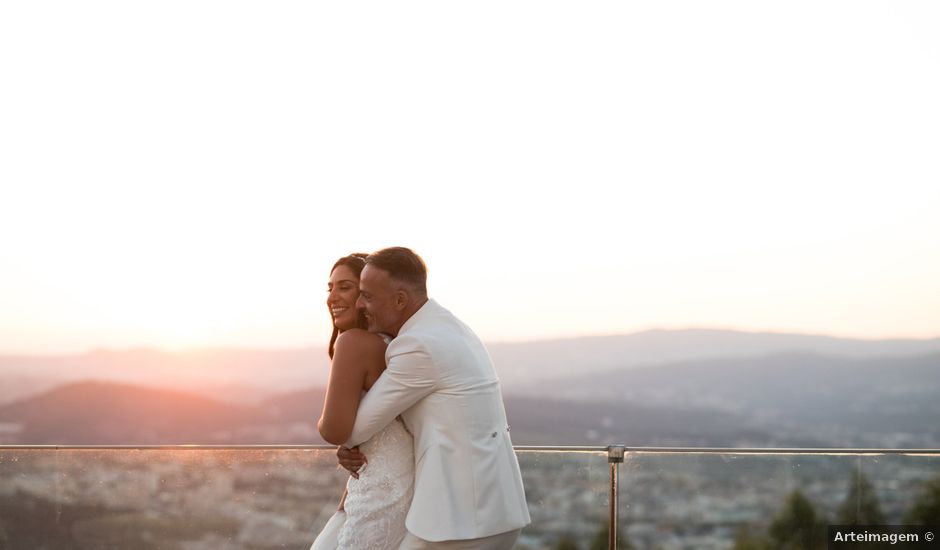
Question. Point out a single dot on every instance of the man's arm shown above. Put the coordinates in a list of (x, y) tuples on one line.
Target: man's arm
[(409, 377)]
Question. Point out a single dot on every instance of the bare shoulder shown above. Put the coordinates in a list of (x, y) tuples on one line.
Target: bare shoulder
[(360, 342)]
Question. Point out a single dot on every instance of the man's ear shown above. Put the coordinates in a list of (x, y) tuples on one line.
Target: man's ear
[(402, 299)]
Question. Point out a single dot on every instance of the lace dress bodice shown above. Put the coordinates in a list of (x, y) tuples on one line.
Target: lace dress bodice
[(377, 502)]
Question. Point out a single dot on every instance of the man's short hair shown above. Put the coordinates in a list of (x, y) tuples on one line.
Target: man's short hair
[(403, 265)]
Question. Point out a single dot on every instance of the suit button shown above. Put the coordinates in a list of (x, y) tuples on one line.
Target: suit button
[(493, 434)]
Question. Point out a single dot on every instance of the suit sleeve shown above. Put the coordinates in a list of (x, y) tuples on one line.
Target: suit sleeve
[(409, 377)]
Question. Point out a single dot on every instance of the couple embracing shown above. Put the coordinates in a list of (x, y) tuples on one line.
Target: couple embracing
[(415, 405)]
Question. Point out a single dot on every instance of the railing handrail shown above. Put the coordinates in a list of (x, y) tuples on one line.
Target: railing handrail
[(556, 448)]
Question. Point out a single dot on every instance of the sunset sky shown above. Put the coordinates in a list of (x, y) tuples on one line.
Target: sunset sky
[(183, 174)]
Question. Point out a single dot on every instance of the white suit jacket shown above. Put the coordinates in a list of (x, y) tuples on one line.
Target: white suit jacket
[(441, 380)]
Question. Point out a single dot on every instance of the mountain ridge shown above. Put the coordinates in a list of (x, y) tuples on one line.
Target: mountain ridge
[(249, 375), (789, 398)]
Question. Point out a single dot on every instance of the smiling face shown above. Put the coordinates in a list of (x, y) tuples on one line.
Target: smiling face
[(381, 301), (341, 300)]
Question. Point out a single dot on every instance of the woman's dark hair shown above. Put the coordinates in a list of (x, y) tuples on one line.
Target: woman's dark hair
[(355, 262)]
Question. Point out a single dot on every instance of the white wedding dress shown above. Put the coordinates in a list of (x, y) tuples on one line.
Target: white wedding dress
[(377, 502)]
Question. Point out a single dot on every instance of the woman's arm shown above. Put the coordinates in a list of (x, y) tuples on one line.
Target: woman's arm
[(354, 354)]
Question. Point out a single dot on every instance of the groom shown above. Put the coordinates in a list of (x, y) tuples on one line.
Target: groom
[(440, 379)]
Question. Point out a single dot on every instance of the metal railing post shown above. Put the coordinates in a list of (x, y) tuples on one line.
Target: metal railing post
[(614, 459)]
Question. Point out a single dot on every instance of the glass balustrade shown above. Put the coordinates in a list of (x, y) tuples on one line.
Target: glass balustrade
[(191, 498), (721, 500)]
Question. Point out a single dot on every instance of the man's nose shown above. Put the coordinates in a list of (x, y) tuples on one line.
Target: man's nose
[(360, 304)]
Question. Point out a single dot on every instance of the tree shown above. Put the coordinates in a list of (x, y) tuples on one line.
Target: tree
[(744, 540), (796, 526), (601, 540), (861, 505), (926, 508), (565, 542)]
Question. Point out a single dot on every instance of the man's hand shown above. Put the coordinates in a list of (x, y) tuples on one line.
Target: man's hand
[(351, 459)]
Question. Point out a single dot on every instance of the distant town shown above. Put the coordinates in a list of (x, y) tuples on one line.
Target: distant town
[(256, 499)]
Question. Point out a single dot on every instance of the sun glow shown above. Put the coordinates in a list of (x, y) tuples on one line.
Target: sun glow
[(563, 171)]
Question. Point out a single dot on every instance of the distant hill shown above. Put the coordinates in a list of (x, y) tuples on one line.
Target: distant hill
[(793, 399), (109, 413), (246, 376), (105, 413), (552, 421), (525, 362), (685, 387), (297, 406), (848, 401), (97, 413), (250, 376)]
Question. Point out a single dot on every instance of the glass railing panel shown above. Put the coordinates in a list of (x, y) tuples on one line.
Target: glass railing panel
[(240, 499), (567, 493), (203, 498), (728, 500), (185, 499), (897, 481)]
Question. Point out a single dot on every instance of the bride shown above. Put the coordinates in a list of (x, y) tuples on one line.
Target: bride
[(372, 510)]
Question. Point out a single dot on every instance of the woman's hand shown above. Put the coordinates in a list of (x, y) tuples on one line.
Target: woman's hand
[(351, 459)]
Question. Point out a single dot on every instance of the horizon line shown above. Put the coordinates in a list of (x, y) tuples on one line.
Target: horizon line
[(270, 349)]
